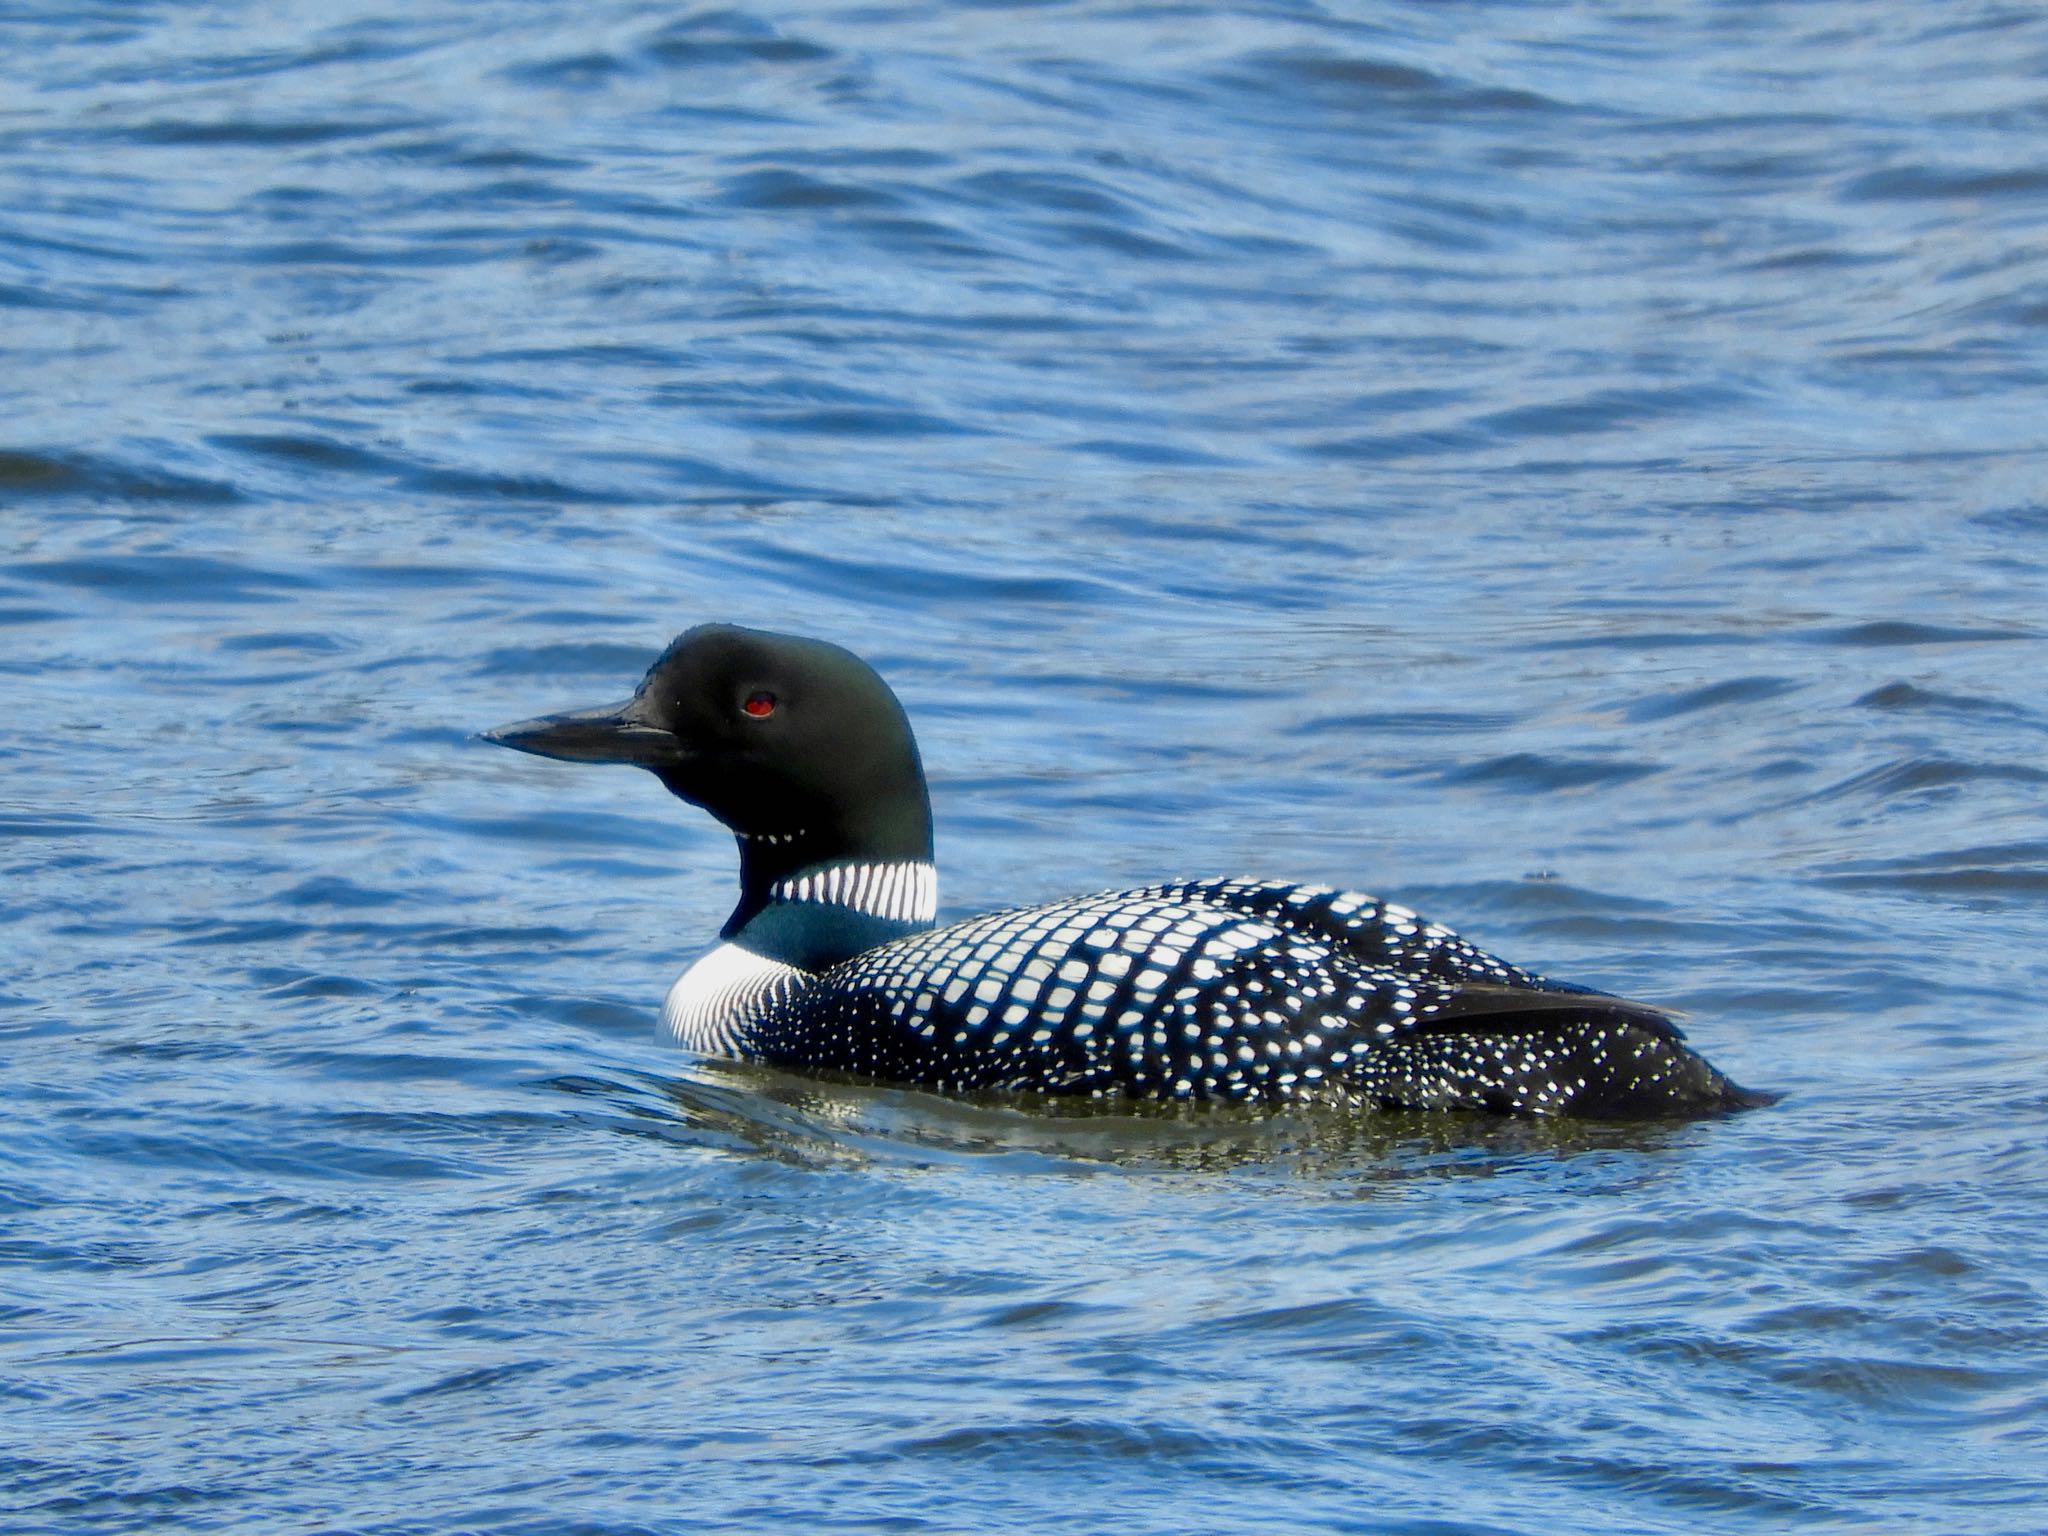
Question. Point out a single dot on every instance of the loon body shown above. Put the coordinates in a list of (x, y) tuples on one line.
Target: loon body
[(1227, 988)]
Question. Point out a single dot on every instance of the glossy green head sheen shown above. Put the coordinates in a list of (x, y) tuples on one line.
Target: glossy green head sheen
[(795, 744)]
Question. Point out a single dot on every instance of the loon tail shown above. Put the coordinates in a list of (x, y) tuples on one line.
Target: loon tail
[(1598, 1057)]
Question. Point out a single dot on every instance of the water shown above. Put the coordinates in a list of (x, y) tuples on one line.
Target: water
[(1577, 470)]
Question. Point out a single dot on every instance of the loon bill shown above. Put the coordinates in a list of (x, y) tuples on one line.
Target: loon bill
[(1235, 989)]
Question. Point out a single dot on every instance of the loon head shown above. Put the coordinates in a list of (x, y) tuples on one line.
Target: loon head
[(796, 745)]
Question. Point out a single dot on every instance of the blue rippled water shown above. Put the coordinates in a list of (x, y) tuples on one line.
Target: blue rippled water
[(1576, 469)]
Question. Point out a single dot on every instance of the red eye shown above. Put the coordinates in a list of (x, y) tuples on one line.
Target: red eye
[(760, 705)]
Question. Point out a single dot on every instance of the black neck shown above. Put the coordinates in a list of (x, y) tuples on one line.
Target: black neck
[(762, 864), (901, 834), (815, 937)]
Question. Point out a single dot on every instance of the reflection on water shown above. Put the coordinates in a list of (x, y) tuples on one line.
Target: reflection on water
[(806, 1119)]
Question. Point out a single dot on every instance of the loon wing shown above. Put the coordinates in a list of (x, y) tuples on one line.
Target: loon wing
[(1603, 1057), (1372, 932), (1478, 1003)]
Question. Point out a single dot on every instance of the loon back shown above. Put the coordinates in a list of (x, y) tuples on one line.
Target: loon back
[(1229, 988)]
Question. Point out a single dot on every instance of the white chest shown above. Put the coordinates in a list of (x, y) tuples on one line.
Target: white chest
[(710, 1005)]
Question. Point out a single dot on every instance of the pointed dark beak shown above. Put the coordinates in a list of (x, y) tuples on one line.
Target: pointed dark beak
[(612, 733)]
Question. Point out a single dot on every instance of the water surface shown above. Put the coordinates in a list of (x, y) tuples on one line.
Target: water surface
[(1575, 470)]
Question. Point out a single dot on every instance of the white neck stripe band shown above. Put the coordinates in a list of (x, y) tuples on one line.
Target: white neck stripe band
[(904, 893)]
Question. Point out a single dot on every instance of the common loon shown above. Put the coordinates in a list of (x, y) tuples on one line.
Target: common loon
[(1234, 989)]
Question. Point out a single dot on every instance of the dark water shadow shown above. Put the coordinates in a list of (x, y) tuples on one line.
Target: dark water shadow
[(820, 1120)]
